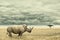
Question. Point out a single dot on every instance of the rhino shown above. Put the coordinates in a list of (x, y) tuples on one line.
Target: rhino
[(18, 30)]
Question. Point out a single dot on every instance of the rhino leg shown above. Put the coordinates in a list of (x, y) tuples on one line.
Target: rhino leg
[(20, 34), (10, 35)]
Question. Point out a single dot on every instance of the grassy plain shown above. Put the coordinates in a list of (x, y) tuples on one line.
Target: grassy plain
[(37, 33)]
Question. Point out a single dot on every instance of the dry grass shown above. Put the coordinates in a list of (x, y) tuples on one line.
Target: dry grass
[(37, 34)]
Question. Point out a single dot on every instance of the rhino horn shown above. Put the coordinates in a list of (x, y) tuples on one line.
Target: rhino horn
[(31, 28)]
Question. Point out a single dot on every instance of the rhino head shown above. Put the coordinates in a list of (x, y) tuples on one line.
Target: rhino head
[(25, 26), (29, 29)]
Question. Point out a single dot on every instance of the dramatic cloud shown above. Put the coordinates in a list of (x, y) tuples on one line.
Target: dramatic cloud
[(34, 12)]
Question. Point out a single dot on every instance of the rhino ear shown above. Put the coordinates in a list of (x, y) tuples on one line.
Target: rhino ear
[(24, 25)]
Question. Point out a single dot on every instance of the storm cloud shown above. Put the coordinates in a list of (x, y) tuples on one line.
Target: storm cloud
[(32, 12)]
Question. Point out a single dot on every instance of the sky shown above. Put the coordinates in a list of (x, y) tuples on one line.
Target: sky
[(33, 5), (48, 7)]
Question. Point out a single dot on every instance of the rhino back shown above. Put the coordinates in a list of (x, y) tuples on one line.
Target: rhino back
[(17, 29)]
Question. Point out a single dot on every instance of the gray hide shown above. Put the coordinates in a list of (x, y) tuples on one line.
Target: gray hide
[(18, 30)]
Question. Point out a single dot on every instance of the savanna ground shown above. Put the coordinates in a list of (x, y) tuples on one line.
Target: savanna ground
[(36, 34)]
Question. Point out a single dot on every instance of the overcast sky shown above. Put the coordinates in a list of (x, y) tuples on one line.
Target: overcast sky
[(34, 5), (50, 7)]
